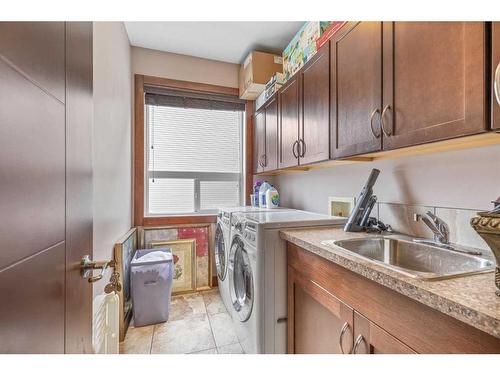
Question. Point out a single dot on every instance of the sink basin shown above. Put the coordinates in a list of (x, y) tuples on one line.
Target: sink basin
[(419, 260)]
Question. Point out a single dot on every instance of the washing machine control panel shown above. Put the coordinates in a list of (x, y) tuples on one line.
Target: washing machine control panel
[(250, 232)]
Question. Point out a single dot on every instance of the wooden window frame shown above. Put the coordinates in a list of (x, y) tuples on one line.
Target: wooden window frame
[(139, 153)]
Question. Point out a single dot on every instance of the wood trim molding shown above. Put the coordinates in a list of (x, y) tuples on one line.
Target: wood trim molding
[(249, 151), (141, 80), (138, 150), (175, 220), (189, 86)]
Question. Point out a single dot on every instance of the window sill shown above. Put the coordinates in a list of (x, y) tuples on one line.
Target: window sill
[(179, 219)]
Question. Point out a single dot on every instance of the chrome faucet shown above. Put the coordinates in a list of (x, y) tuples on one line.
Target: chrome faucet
[(438, 227), (441, 234)]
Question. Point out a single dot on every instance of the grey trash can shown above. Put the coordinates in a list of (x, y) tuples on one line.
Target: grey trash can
[(151, 277)]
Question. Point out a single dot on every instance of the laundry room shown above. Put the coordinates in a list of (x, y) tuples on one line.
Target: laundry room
[(244, 186)]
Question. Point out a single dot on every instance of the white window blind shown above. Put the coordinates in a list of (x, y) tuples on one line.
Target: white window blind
[(193, 158)]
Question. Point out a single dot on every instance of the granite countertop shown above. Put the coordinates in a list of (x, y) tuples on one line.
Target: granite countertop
[(470, 299)]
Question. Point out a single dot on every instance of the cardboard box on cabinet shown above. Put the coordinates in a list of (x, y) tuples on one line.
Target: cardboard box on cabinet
[(256, 71)]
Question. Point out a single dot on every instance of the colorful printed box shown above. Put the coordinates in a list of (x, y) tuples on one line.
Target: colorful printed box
[(302, 47)]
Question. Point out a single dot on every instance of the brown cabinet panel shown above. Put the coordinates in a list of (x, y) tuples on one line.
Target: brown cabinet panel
[(356, 89), (289, 109), (271, 135), (434, 81), (495, 40), (318, 323), (37, 50), (315, 127), (371, 339), (259, 141)]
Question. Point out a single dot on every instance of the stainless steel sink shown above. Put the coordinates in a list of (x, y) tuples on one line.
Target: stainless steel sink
[(419, 260)]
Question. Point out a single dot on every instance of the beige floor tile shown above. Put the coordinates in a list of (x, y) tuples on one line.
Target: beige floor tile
[(208, 351), (138, 340), (230, 349), (213, 302), (186, 306), (223, 329), (183, 336)]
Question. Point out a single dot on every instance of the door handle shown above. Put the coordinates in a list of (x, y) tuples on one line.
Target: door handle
[(496, 84), (359, 339), (87, 265), (382, 121), (341, 337), (302, 150), (295, 154), (372, 116)]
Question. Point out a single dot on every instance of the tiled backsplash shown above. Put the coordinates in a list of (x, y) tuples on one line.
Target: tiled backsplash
[(401, 218)]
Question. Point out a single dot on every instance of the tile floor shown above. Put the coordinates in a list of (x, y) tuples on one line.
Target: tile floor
[(198, 324)]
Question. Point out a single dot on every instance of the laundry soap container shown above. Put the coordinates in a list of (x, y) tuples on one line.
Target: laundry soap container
[(272, 198), (151, 278)]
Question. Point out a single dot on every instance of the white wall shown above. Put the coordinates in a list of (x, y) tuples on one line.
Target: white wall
[(185, 68), (460, 179), (112, 139)]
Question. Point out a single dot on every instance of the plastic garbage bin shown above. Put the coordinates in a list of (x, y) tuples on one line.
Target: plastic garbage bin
[(151, 277)]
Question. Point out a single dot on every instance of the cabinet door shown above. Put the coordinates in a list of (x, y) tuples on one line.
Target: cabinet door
[(271, 137), (495, 40), (356, 89), (289, 123), (371, 339), (434, 81), (315, 127), (259, 139), (318, 322)]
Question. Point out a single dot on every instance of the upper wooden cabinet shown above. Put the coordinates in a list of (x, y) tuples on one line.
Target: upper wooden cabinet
[(289, 109), (356, 89), (271, 134), (434, 81), (314, 132), (259, 141), (495, 40), (380, 86)]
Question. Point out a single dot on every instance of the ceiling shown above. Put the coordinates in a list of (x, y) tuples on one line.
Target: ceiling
[(222, 41)]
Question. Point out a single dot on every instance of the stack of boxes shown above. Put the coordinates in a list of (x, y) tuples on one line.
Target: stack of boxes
[(308, 40)]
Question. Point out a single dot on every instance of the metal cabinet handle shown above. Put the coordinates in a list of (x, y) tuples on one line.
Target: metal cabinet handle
[(372, 116), (264, 160), (342, 332), (295, 154), (496, 84), (302, 150), (357, 342), (382, 120)]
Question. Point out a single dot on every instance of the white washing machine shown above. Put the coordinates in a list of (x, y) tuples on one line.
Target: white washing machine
[(257, 275), (223, 243)]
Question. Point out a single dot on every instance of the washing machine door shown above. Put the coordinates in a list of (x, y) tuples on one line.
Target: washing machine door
[(241, 280), (220, 253)]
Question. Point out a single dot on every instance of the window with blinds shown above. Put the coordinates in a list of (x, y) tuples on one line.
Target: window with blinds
[(194, 154)]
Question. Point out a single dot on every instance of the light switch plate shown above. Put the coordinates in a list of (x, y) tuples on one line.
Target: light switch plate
[(341, 206)]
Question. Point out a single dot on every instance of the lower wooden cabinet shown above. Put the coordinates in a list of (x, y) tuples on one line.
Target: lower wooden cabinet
[(369, 338), (318, 321), (334, 310)]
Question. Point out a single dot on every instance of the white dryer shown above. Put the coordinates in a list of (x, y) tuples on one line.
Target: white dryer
[(257, 275), (223, 244)]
